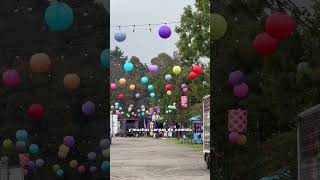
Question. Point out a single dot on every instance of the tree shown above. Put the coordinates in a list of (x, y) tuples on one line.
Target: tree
[(194, 42), (163, 60)]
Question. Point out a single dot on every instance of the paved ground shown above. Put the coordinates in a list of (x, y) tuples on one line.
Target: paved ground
[(154, 159)]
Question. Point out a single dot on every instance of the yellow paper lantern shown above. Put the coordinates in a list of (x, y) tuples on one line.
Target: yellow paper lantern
[(71, 81), (176, 70), (122, 81), (243, 140), (7, 144), (169, 93), (132, 87), (73, 164), (40, 63), (63, 148)]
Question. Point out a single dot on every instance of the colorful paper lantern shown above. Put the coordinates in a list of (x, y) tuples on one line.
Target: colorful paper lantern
[(105, 58), (137, 95), (265, 45), (242, 140), (144, 80), (176, 70), (11, 78), (36, 112), (280, 25), (164, 32), (22, 135), (69, 141), (59, 16), (185, 90), (93, 169), (92, 156), (21, 146), (71, 81), (168, 77), (192, 76), (132, 87), (122, 81), (60, 172), (184, 86), (236, 78), (237, 120), (234, 137), (218, 26), (150, 87), (303, 67), (81, 169), (73, 164), (152, 95), (7, 144), (121, 96), (113, 86), (40, 63), (168, 87), (39, 162), (197, 69), (55, 167), (88, 108), (184, 101), (104, 143), (169, 93), (33, 149), (120, 36), (153, 69), (128, 67), (241, 90), (116, 104)]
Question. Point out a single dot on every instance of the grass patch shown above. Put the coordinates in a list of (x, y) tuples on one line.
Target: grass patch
[(196, 147)]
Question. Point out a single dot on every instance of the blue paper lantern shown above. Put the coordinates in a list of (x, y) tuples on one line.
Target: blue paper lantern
[(22, 135), (150, 88), (34, 149), (142, 114), (168, 77), (144, 80), (120, 36), (105, 166), (152, 94), (105, 58), (128, 67), (59, 16), (60, 172)]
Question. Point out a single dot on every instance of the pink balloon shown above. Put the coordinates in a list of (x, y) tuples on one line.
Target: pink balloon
[(185, 90), (241, 90), (11, 78), (113, 86), (234, 137)]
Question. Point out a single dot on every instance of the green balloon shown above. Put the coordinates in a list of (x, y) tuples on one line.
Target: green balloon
[(218, 26)]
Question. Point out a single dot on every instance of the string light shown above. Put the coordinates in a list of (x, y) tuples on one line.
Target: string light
[(141, 25)]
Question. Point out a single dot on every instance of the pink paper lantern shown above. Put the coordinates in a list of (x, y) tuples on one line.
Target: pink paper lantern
[(113, 86), (11, 78), (185, 90), (241, 90), (237, 120), (81, 169), (234, 137)]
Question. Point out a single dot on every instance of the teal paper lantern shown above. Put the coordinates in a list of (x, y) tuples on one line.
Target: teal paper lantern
[(60, 173), (120, 108), (33, 149), (150, 88), (59, 16), (144, 80), (116, 104), (22, 135), (105, 58), (152, 95), (105, 166), (128, 67)]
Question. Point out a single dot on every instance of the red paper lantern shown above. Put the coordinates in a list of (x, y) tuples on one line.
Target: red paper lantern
[(36, 111), (197, 69), (280, 25), (192, 75), (121, 96), (265, 45), (168, 87)]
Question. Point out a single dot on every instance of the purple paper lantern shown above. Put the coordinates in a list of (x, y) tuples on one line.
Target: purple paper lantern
[(69, 141), (236, 78), (11, 78), (184, 86), (93, 169), (138, 95), (234, 137), (241, 90), (88, 108), (165, 32), (153, 69)]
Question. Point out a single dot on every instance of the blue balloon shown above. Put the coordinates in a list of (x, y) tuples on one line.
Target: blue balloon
[(105, 166), (59, 16), (34, 149), (22, 135), (150, 88), (60, 172), (128, 67), (144, 80), (168, 77), (105, 58), (120, 36)]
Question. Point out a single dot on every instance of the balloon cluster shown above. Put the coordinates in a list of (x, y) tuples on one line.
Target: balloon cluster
[(278, 26), (240, 88)]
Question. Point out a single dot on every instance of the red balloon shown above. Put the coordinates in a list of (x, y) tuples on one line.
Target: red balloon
[(265, 45), (193, 75), (168, 87), (121, 96), (280, 26), (197, 69), (36, 111)]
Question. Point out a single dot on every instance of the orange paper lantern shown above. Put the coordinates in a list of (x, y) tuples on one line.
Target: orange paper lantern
[(71, 81), (40, 63), (122, 81), (132, 87)]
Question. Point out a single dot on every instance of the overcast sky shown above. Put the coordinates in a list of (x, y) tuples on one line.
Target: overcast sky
[(143, 43)]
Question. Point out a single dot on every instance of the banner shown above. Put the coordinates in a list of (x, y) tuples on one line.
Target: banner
[(237, 120)]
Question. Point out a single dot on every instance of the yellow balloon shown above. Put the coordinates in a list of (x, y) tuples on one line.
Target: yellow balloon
[(169, 93), (176, 70), (132, 87), (122, 81)]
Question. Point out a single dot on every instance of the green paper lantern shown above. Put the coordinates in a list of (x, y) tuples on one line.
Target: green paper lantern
[(55, 167), (106, 153), (7, 144), (218, 26)]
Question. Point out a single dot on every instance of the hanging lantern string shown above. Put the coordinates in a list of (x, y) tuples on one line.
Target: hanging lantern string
[(135, 25)]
